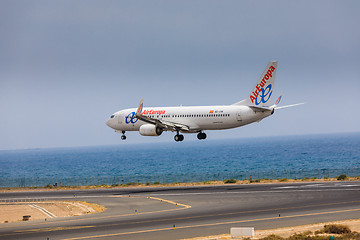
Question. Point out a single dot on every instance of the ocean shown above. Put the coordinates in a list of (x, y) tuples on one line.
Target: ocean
[(193, 158)]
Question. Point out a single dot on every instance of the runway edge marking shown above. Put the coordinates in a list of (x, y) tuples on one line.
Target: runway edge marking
[(212, 224)]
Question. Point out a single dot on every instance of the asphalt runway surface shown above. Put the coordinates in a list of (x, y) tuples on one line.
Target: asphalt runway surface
[(184, 212)]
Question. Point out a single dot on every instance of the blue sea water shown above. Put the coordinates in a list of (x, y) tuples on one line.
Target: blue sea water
[(333, 151)]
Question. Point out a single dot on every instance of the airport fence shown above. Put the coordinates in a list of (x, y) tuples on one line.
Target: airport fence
[(175, 178)]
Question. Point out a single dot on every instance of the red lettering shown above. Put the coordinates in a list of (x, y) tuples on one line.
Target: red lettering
[(269, 72), (252, 98), (258, 87), (151, 111), (262, 84)]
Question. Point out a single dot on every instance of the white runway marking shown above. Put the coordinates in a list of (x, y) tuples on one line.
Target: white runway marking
[(46, 212), (249, 192)]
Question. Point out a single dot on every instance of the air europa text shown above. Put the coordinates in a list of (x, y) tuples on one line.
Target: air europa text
[(259, 87), (159, 112)]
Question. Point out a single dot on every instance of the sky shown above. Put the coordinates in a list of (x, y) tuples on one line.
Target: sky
[(66, 66)]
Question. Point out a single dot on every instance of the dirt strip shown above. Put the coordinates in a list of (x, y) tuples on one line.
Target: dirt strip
[(353, 224), (13, 212)]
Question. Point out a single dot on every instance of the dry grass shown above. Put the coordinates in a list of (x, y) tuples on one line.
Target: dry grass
[(305, 232), (207, 183)]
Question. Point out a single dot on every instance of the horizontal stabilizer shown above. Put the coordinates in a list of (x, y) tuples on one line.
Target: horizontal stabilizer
[(260, 109)]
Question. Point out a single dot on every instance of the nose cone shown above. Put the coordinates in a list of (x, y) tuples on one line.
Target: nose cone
[(110, 123)]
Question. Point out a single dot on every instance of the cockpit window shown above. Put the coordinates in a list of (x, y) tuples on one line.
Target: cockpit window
[(112, 116)]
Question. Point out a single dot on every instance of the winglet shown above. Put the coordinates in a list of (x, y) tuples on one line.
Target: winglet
[(275, 106), (140, 108), (278, 100)]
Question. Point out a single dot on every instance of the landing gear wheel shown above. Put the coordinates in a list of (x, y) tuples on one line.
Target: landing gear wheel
[(123, 137), (178, 137), (204, 136), (201, 136)]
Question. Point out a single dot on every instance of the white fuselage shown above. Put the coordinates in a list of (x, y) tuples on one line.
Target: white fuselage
[(197, 118), (154, 121)]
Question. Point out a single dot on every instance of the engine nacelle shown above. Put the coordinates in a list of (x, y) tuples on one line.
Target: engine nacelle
[(150, 130)]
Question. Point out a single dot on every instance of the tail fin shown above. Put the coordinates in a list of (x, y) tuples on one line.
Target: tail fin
[(262, 92)]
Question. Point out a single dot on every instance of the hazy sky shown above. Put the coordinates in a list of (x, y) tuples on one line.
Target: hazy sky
[(66, 66)]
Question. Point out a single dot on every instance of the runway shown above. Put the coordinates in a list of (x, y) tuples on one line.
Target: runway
[(183, 212)]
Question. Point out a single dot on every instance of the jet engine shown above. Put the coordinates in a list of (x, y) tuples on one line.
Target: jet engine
[(150, 130)]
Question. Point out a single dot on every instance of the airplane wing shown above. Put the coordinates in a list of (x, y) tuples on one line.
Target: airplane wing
[(287, 106), (165, 125)]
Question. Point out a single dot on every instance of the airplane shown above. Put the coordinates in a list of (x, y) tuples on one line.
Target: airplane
[(153, 121)]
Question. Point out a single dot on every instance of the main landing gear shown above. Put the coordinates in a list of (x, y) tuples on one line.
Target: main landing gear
[(178, 137), (123, 137), (201, 136)]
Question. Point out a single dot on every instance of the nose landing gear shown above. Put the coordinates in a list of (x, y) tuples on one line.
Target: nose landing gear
[(201, 136), (123, 137)]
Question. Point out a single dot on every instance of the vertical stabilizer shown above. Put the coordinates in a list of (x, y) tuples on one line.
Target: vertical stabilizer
[(262, 92)]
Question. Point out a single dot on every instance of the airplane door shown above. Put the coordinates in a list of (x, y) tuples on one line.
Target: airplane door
[(238, 117), (120, 119)]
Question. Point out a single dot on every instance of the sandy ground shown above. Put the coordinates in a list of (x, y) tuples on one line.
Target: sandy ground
[(354, 225), (13, 212)]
